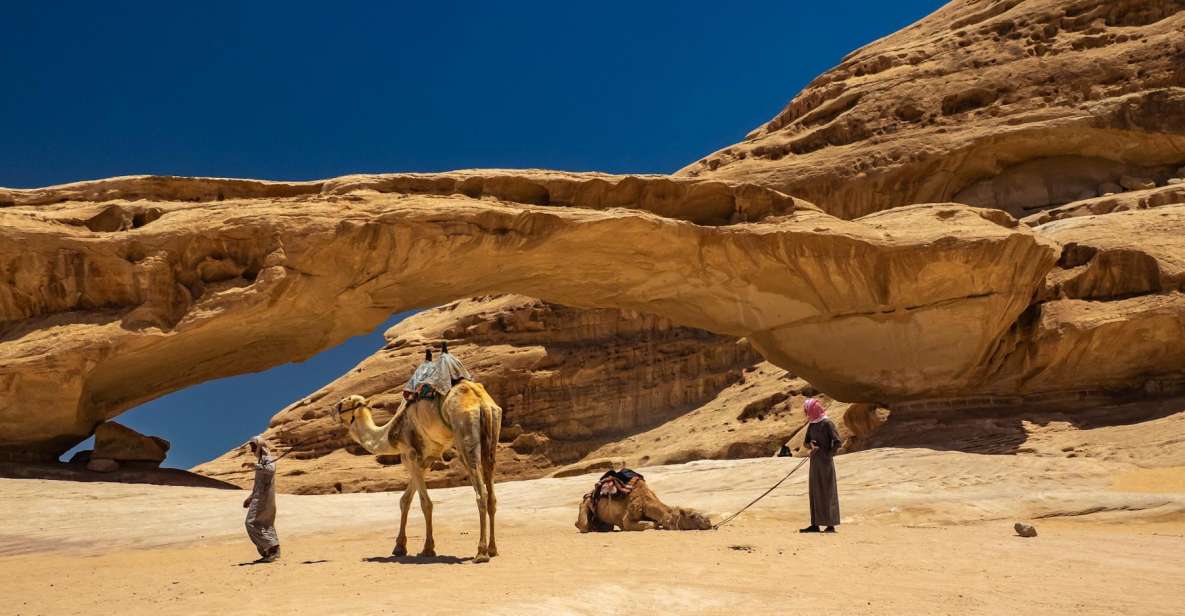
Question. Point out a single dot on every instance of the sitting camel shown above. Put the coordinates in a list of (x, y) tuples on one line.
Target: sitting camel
[(636, 509), (420, 432)]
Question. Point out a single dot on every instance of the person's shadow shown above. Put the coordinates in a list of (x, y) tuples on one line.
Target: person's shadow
[(418, 560), (260, 562)]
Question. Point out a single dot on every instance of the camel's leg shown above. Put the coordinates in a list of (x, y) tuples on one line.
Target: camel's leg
[(404, 506), (665, 516), (491, 500), (468, 442), (491, 508), (491, 428), (479, 486), (632, 524), (425, 506), (634, 518)]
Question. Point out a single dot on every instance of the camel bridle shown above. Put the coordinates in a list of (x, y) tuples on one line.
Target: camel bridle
[(340, 410)]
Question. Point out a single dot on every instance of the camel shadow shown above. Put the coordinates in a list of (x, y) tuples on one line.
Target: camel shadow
[(419, 560)]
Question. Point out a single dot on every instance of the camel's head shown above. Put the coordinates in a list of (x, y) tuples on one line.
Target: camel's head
[(344, 409), (688, 519)]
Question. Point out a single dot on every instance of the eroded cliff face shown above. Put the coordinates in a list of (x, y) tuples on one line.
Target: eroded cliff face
[(98, 321), (1050, 110), (569, 382), (1018, 105)]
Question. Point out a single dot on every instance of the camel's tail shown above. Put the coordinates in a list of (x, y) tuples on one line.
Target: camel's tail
[(491, 429)]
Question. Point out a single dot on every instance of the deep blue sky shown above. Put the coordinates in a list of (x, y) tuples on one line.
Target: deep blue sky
[(301, 90)]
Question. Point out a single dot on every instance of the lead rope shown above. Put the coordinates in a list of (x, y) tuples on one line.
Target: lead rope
[(730, 518)]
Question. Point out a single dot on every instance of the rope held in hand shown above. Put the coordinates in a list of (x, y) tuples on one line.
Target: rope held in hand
[(730, 518)]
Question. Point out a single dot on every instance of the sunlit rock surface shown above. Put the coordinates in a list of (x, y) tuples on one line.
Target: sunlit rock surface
[(996, 103), (98, 321)]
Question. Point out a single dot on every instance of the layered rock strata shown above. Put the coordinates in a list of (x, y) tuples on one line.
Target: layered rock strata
[(97, 321), (569, 381), (1017, 105)]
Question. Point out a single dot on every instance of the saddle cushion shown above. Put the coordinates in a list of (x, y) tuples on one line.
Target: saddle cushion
[(614, 484)]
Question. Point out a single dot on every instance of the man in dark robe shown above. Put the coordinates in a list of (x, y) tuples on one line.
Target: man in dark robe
[(822, 439)]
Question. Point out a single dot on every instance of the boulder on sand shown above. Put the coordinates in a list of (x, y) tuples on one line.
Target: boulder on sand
[(1024, 530), (529, 442), (115, 441)]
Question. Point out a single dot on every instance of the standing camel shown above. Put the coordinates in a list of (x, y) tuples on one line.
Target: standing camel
[(420, 432)]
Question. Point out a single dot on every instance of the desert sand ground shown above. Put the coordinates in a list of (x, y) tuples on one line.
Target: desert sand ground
[(925, 532)]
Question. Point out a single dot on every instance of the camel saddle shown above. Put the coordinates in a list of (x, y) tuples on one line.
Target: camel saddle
[(613, 484), (616, 483)]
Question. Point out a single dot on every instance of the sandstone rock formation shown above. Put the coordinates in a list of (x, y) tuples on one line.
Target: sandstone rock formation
[(116, 291), (1141, 200), (584, 390), (934, 293), (118, 442), (96, 322), (102, 465), (996, 103), (1043, 122), (572, 383), (116, 446), (1046, 109)]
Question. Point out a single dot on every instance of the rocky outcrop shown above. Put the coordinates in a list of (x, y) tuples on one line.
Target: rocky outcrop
[(117, 445), (118, 442), (1047, 109), (1015, 106), (1113, 305), (102, 465), (995, 103), (95, 322), (581, 390), (705, 203), (569, 381), (1172, 194)]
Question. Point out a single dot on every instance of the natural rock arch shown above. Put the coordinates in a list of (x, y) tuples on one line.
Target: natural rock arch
[(908, 304)]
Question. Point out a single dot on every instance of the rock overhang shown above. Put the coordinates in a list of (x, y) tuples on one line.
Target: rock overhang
[(210, 288)]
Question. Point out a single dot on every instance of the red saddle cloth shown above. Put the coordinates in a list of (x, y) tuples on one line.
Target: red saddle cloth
[(613, 486), (615, 483)]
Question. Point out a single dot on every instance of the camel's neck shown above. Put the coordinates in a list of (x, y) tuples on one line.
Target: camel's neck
[(374, 438)]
